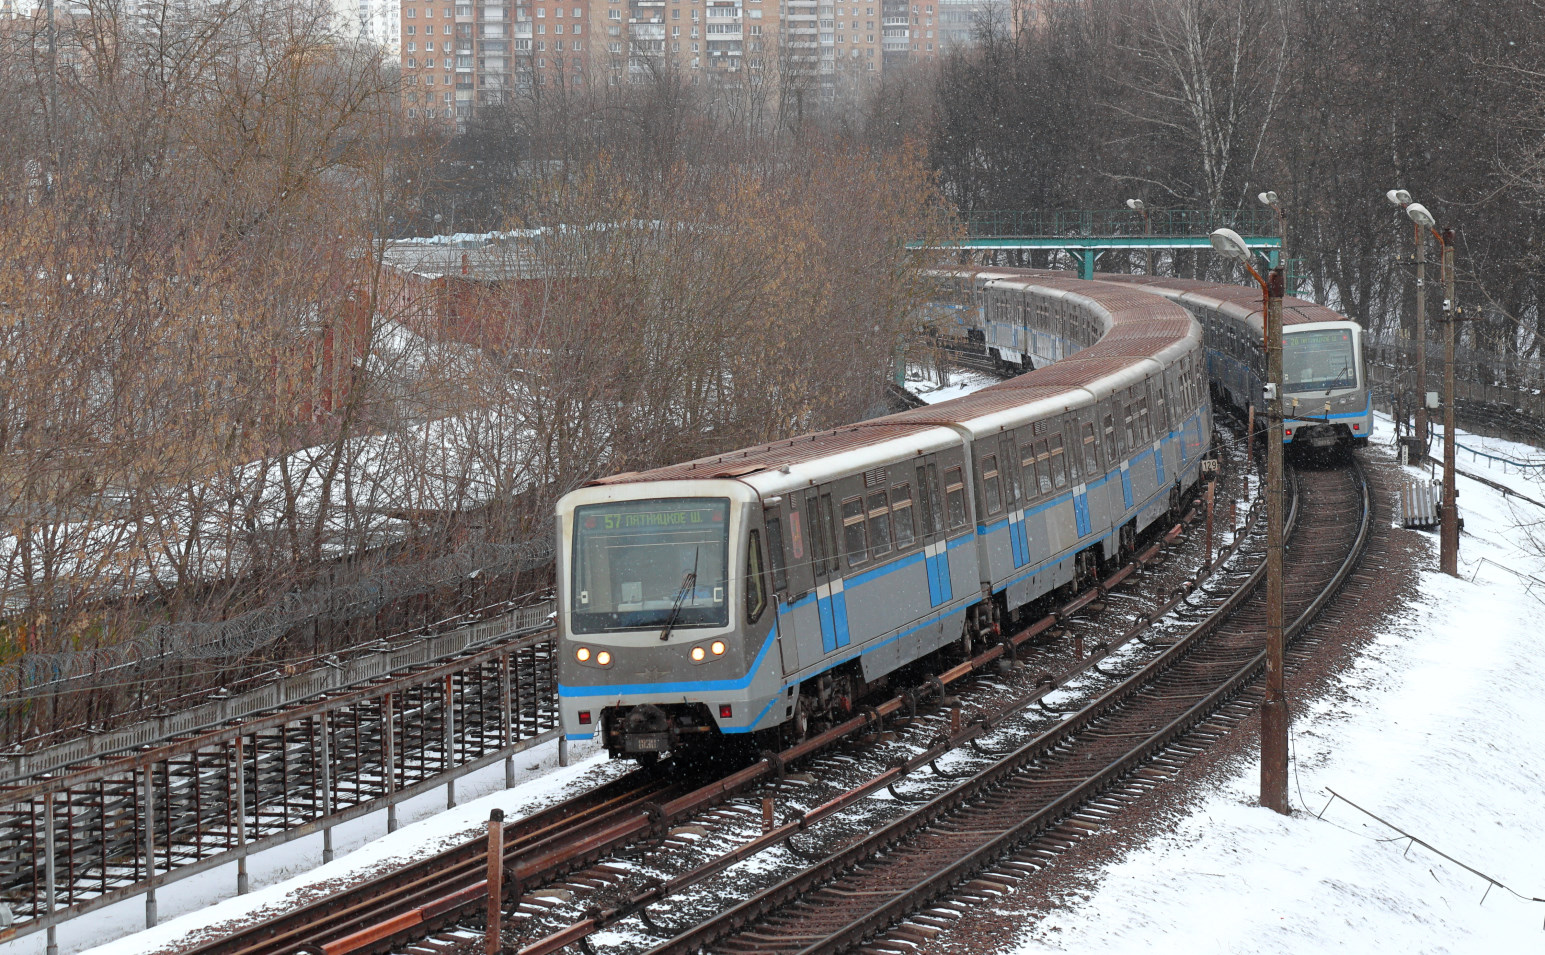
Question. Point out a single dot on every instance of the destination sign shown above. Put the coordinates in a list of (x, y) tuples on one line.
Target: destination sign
[(632, 517), (1321, 337)]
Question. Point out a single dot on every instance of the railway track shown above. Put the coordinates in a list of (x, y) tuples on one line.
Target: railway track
[(1013, 817), (569, 845)]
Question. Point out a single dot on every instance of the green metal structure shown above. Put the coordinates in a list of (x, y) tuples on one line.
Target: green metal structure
[(1086, 235)]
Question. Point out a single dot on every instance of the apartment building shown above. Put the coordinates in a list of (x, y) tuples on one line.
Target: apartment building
[(460, 55)]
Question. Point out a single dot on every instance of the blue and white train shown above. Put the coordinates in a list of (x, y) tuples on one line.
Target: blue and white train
[(1325, 380), (768, 590)]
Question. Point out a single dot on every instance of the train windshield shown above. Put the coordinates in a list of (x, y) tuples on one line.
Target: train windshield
[(651, 564), (1321, 360)]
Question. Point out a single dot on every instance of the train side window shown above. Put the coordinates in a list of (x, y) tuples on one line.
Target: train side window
[(992, 496), (1143, 433), (1012, 486), (1161, 407), (1043, 464), (1129, 424), (1031, 466), (1091, 451), (1057, 464), (955, 497), (818, 544), (756, 588), (925, 509), (901, 516), (780, 572), (879, 524), (829, 534), (853, 531)]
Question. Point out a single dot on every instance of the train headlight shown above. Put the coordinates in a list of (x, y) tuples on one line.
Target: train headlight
[(717, 647), (604, 658), (697, 654), (582, 654)]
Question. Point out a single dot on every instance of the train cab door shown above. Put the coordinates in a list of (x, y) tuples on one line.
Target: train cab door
[(783, 583)]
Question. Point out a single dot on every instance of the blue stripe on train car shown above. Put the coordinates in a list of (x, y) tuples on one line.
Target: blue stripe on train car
[(946, 589), (1126, 489), (934, 597), (1158, 464), (1081, 512), (828, 632), (839, 602)]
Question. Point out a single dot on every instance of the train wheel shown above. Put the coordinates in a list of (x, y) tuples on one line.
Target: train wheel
[(799, 724)]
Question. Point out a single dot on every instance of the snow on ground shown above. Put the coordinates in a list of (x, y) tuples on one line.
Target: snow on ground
[(1438, 733), (959, 383), (294, 871)]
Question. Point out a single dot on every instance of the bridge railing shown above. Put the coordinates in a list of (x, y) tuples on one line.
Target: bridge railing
[(1112, 222)]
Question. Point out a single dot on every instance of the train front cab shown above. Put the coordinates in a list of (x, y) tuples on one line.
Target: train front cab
[(1325, 385), (665, 631)]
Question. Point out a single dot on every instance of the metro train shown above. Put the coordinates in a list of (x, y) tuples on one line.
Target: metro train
[(765, 592), (1325, 380)]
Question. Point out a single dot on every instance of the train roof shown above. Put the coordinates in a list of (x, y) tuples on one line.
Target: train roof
[(1241, 301), (1140, 330)]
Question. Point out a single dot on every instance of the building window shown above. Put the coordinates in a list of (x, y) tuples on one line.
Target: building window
[(576, 30), (541, 44), (575, 46), (558, 28), (558, 46), (411, 29)]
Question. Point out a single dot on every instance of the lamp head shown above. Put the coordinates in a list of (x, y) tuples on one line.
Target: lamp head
[(1420, 215), (1398, 197), (1227, 243), (1136, 205), (1268, 198)]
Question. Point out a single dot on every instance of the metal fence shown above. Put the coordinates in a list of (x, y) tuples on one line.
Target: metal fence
[(81, 832)]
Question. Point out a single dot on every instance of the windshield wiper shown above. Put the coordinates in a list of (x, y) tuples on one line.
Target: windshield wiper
[(1337, 380), (688, 585)]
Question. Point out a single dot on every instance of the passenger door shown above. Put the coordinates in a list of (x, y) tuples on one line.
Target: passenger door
[(826, 568)]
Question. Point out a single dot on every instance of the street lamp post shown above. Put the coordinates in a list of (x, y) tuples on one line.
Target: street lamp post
[(1274, 721), (1402, 199), (1448, 520), (1136, 205), (1448, 529), (1269, 199)]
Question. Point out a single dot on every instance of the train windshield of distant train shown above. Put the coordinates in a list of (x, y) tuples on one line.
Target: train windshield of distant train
[(650, 565), (1322, 360)]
